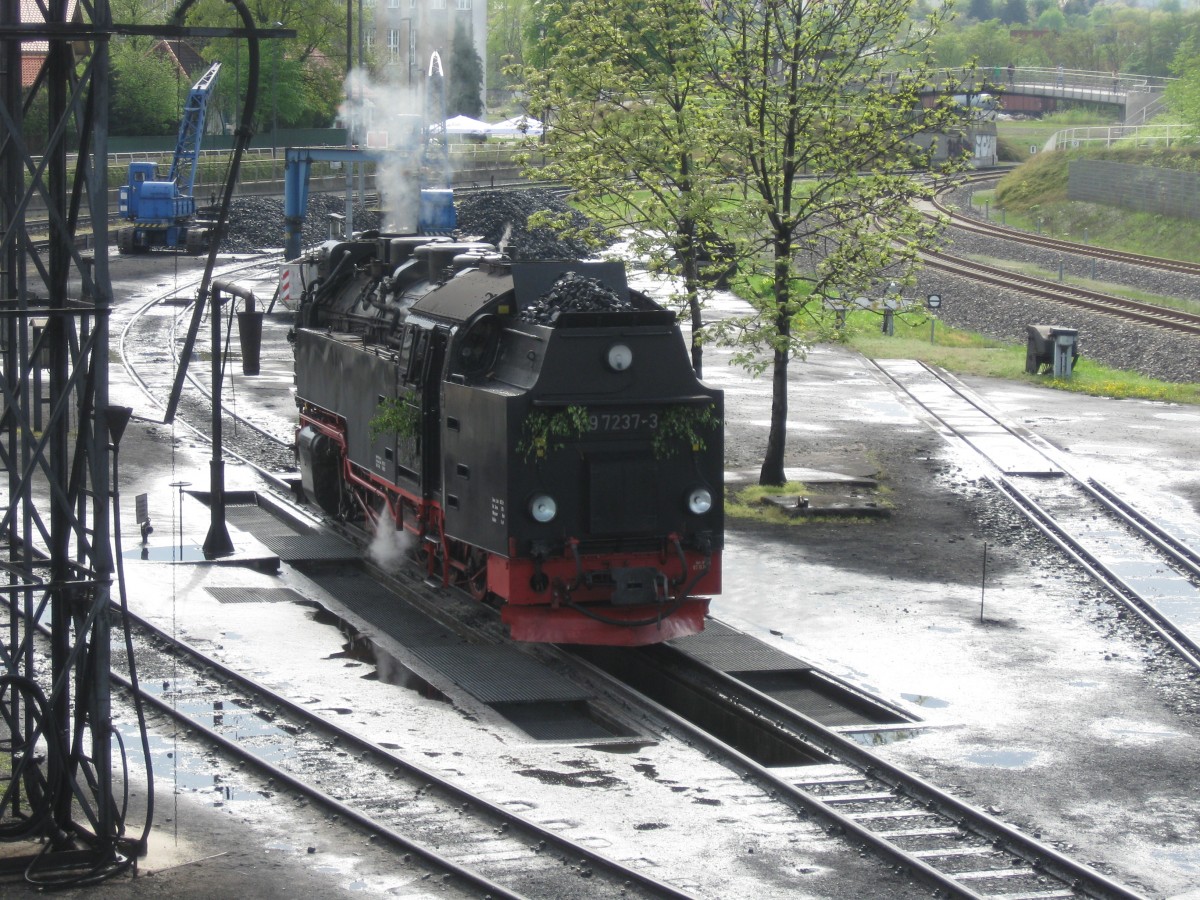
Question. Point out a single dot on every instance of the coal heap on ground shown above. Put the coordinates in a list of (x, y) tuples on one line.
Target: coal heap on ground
[(573, 293), (501, 218), (256, 223)]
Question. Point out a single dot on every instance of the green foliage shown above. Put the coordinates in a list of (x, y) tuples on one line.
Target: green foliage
[(1037, 191), (1014, 12), (506, 41), (545, 432), (638, 134), (683, 425), (308, 70), (145, 92), (1080, 35), (465, 75), (1183, 94), (980, 10), (398, 416), (1052, 20)]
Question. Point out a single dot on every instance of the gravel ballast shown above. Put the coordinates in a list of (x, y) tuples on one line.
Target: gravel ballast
[(1004, 314)]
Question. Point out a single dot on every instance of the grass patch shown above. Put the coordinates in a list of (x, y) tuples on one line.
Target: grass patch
[(965, 353), (746, 502), (1034, 197), (1018, 135)]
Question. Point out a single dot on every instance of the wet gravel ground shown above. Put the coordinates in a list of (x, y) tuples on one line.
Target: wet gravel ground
[(1056, 711), (1004, 315)]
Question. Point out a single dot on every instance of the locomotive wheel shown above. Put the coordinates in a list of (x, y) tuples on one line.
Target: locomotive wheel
[(468, 569), (477, 573)]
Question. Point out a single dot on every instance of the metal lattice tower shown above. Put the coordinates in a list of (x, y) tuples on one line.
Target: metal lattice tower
[(55, 432)]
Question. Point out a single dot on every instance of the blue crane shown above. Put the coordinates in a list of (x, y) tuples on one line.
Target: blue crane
[(162, 213)]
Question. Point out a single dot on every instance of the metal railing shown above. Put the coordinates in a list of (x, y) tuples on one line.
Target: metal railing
[(1108, 135)]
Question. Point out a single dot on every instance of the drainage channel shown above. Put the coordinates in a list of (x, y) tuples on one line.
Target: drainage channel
[(951, 846), (674, 677)]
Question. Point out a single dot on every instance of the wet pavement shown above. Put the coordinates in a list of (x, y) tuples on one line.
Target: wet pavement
[(1049, 707)]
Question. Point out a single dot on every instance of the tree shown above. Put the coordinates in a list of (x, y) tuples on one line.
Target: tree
[(145, 93), (309, 84), (803, 83), (636, 131), (465, 75), (147, 88), (1052, 20), (506, 45), (980, 10), (1183, 94), (1015, 12)]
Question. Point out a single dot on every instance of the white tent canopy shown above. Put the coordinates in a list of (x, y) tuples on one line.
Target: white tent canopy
[(517, 125), (462, 125)]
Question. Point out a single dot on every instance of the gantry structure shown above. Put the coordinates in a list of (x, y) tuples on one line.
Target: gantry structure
[(58, 434)]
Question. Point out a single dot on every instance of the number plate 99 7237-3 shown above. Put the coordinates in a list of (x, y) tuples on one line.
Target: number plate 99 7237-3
[(615, 422)]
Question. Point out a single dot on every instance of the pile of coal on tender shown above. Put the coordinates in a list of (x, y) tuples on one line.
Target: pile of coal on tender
[(501, 218), (573, 293)]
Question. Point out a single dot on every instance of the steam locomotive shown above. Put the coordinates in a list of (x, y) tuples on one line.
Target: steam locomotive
[(534, 428)]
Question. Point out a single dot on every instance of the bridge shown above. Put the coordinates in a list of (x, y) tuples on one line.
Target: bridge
[(1037, 89)]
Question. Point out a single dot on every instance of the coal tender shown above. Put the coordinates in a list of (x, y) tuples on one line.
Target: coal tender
[(532, 430)]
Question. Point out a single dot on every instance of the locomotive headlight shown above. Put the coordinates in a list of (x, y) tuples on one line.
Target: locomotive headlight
[(620, 357), (543, 508), (699, 501)]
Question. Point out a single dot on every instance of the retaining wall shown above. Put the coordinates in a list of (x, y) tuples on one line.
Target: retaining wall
[(1165, 192)]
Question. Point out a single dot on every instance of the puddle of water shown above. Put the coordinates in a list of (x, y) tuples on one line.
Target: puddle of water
[(926, 701), (190, 772), (1003, 759), (388, 669), (256, 734), (880, 738), (175, 553)]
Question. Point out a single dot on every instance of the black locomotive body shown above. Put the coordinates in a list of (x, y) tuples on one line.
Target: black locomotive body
[(555, 454)]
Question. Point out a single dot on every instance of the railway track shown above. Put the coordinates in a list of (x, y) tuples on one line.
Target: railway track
[(924, 832), (462, 837), (916, 828), (991, 229), (1095, 301), (1153, 569), (154, 328)]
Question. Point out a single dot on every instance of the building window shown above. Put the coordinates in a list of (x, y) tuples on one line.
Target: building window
[(393, 4), (437, 4), (394, 43), (369, 38), (464, 4)]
